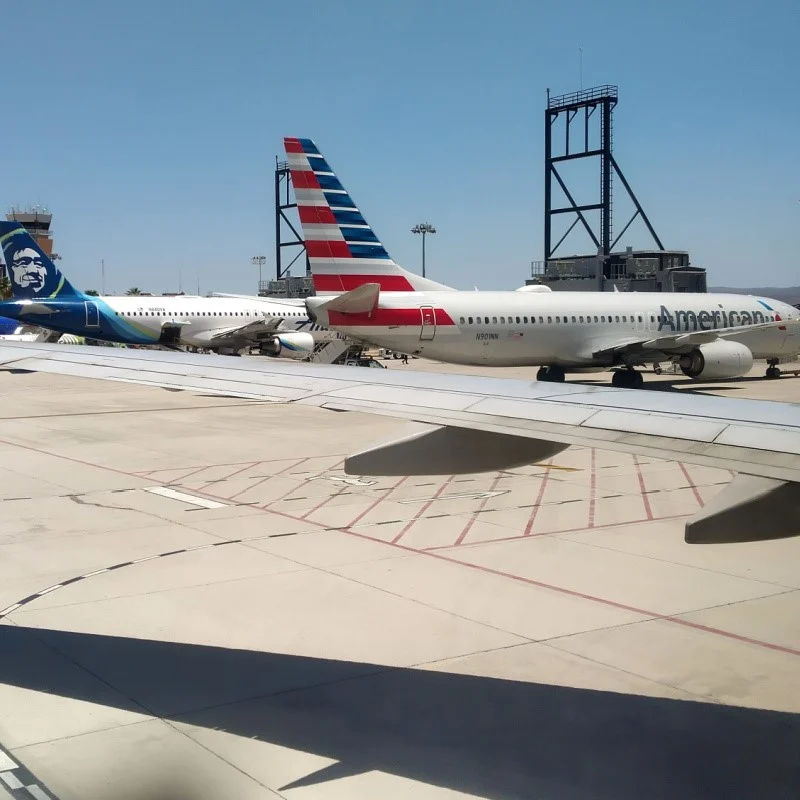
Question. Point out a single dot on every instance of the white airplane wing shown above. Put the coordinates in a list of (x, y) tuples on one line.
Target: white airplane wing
[(680, 342), (467, 424), (255, 330)]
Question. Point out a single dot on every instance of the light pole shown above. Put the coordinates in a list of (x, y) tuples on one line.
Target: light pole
[(260, 260), (424, 228)]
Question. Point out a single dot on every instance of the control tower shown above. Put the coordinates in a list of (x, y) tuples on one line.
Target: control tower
[(36, 220)]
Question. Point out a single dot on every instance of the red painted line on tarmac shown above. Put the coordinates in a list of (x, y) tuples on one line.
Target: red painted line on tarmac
[(538, 504), (592, 488), (692, 484), (643, 489), (377, 502), (480, 508), (553, 533), (295, 463), (560, 589), (419, 513)]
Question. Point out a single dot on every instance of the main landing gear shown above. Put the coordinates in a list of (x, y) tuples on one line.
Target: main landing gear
[(773, 371), (553, 374), (627, 379)]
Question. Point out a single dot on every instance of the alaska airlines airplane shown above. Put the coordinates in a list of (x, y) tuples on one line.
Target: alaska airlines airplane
[(41, 295), (710, 336)]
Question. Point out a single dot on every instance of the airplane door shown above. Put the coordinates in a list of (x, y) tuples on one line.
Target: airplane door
[(428, 323), (92, 315), (641, 324)]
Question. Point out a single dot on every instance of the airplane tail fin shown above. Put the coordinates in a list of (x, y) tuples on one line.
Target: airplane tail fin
[(342, 248), (31, 272)]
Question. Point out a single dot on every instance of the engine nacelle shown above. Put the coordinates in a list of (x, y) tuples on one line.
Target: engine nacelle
[(717, 360), (289, 345)]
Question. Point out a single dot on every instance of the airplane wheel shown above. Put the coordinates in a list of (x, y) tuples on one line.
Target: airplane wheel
[(552, 374), (773, 372), (627, 379)]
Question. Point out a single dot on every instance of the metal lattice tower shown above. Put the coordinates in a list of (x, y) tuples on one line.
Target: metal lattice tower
[(286, 234), (604, 99)]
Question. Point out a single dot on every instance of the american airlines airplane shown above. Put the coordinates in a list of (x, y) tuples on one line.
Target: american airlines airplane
[(42, 296), (710, 336)]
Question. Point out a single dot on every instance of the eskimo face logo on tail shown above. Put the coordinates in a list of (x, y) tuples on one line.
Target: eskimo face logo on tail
[(28, 270)]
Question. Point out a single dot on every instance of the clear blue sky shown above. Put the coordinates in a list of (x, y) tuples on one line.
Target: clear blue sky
[(150, 128)]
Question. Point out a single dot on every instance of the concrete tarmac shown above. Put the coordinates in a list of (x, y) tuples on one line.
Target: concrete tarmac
[(197, 602)]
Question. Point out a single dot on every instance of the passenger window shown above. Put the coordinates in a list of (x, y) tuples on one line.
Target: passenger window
[(549, 320), (602, 319), (616, 319), (525, 320), (541, 320), (624, 317), (640, 318), (517, 320), (573, 320), (494, 320), (503, 320), (470, 320), (461, 320), (558, 319), (595, 319), (486, 320), (580, 318)]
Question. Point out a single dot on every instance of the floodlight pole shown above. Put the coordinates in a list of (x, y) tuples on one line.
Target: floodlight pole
[(424, 228), (260, 261)]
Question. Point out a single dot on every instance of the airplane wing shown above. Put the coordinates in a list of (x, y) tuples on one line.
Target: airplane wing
[(466, 424), (682, 342), (253, 331)]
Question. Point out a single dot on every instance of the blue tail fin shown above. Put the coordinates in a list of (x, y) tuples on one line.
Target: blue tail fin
[(31, 272)]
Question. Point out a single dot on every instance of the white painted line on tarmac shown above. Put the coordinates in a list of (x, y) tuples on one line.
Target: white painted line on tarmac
[(11, 780), (191, 499), (6, 762)]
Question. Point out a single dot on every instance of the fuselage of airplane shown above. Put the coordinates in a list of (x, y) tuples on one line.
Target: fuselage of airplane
[(143, 319), (571, 329)]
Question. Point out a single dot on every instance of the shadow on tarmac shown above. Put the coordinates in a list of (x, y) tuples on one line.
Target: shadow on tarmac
[(485, 736)]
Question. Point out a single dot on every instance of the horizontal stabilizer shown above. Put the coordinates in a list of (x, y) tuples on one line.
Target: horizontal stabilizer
[(362, 300), (38, 308), (749, 509), (423, 449)]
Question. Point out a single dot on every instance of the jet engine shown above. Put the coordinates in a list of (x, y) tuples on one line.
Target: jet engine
[(289, 345), (717, 361)]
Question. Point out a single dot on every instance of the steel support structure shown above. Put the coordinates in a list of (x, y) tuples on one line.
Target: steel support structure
[(286, 234), (576, 108)]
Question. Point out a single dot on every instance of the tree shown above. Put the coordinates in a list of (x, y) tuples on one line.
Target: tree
[(5, 288), (92, 293), (134, 290)]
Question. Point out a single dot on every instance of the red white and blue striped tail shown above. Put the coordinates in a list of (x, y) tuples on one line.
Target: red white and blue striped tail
[(343, 250)]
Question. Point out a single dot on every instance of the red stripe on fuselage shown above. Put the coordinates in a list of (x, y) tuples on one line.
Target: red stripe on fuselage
[(386, 317), (292, 145), (304, 179), (344, 283), (327, 249), (316, 215)]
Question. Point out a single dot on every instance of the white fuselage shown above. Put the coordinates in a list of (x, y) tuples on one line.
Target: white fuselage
[(572, 329), (203, 318)]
